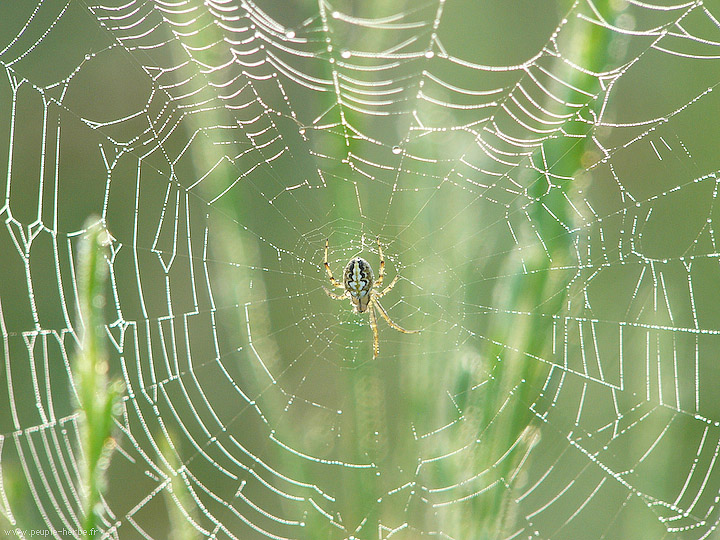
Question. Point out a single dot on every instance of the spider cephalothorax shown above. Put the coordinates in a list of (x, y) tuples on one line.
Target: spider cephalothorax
[(359, 284)]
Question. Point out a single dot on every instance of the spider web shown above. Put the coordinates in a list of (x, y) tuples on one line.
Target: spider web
[(543, 178)]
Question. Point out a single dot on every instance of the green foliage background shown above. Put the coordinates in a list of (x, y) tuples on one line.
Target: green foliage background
[(528, 279)]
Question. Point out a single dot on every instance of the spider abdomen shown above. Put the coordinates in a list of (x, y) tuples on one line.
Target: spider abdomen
[(358, 280)]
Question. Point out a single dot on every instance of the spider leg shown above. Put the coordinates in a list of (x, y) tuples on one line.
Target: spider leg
[(389, 321), (373, 326), (381, 273), (334, 281), (333, 295), (387, 289)]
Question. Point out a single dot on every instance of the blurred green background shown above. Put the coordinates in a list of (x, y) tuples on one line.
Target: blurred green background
[(542, 176)]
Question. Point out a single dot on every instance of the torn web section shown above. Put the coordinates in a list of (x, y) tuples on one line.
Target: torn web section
[(41, 330), (637, 354)]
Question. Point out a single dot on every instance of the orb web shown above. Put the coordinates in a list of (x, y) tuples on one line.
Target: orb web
[(543, 179)]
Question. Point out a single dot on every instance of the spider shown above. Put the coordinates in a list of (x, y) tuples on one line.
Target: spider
[(359, 284)]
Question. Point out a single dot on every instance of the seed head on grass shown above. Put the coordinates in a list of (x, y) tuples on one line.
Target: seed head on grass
[(98, 398)]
